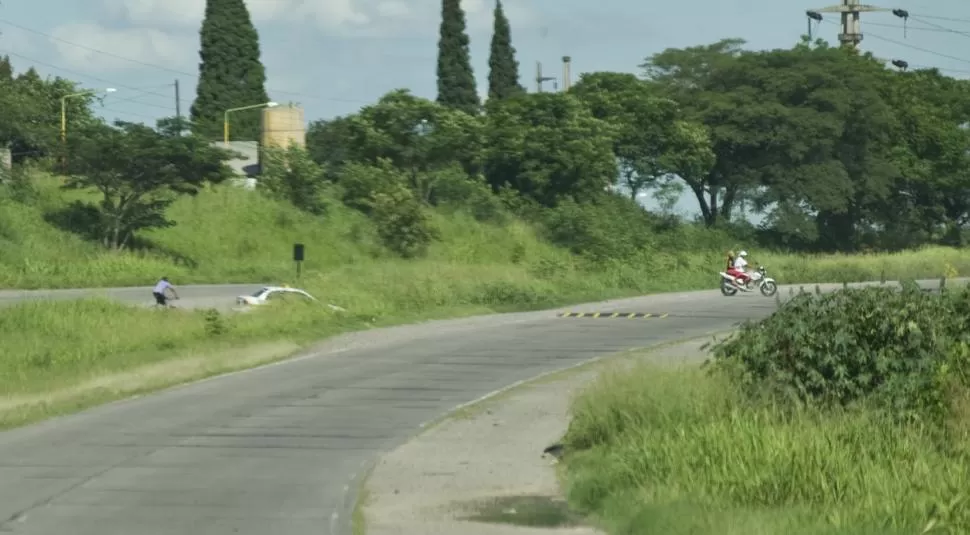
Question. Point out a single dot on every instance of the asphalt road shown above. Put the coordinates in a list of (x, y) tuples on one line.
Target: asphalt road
[(198, 296), (279, 450)]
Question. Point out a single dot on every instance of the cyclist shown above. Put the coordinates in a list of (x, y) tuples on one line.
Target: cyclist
[(159, 292)]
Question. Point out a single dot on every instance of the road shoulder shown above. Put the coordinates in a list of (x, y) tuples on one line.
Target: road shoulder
[(482, 469)]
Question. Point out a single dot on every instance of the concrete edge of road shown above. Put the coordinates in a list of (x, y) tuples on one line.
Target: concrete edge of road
[(357, 494)]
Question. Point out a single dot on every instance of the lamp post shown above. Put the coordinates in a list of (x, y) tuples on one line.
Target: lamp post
[(73, 95), (89, 92), (225, 120)]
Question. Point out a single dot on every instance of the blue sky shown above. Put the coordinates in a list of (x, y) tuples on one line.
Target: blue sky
[(333, 56)]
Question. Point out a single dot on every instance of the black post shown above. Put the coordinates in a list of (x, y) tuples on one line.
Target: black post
[(298, 254)]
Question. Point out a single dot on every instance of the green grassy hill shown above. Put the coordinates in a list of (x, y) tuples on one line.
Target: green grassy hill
[(228, 234)]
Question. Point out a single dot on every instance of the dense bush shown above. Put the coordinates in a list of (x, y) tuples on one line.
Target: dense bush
[(607, 229), (904, 351)]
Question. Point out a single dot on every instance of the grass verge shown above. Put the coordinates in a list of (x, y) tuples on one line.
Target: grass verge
[(660, 450)]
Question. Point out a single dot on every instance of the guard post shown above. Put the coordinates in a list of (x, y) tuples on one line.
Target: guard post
[(298, 258)]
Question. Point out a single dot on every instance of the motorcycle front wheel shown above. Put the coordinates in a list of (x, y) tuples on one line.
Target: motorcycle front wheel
[(769, 288)]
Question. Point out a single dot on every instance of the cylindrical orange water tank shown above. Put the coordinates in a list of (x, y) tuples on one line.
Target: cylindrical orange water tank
[(282, 126)]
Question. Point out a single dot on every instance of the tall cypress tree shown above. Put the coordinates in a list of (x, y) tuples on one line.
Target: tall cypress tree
[(6, 69), (456, 79), (231, 74), (503, 74)]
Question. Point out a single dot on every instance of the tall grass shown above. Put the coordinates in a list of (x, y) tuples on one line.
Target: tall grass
[(227, 234), (678, 451)]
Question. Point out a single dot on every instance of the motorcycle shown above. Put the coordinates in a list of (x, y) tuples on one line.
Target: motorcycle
[(767, 285)]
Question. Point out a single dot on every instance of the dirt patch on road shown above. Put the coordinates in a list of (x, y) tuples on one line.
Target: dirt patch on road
[(483, 473)]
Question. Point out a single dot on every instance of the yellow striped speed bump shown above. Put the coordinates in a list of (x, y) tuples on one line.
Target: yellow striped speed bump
[(625, 315)]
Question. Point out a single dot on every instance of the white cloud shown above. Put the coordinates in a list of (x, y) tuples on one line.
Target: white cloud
[(164, 32), (151, 46), (338, 17)]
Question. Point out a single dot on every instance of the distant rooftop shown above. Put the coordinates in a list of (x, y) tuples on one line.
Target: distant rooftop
[(248, 165)]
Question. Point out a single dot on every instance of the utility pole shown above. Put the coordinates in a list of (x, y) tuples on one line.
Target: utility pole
[(851, 34), (178, 103), (542, 79), (566, 74)]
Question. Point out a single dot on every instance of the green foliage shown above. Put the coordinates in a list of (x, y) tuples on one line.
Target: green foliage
[(456, 79), (548, 147), (137, 173), (402, 222), (290, 175), (30, 107), (215, 323), (653, 143), (609, 229), (382, 193), (660, 449), (453, 188), (6, 69), (503, 74), (416, 135), (870, 345), (331, 143), (231, 74)]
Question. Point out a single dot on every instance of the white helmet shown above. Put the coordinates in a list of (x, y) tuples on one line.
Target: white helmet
[(743, 253)]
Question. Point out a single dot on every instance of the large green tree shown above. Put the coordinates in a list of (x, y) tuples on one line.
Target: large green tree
[(695, 77), (654, 144), (549, 148), (456, 78), (419, 137), (30, 107), (503, 74), (231, 74), (932, 200), (136, 172)]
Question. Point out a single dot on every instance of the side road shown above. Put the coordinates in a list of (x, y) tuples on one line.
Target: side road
[(481, 471)]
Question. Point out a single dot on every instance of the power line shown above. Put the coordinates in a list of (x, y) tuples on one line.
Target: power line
[(937, 17), (912, 47), (84, 47), (910, 28), (940, 28), (83, 75)]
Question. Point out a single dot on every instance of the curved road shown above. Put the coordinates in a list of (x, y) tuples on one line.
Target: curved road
[(280, 449)]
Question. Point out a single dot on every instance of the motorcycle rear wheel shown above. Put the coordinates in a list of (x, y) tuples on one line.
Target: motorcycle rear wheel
[(728, 289)]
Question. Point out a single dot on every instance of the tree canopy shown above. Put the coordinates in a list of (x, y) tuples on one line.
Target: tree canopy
[(831, 150), (137, 171), (503, 74), (231, 74), (456, 78)]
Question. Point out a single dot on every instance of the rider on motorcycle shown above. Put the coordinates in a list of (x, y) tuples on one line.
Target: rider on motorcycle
[(736, 268)]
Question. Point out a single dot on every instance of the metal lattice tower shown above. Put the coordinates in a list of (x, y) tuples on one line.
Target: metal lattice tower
[(851, 34)]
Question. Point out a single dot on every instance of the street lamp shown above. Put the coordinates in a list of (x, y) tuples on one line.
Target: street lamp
[(225, 120), (72, 95)]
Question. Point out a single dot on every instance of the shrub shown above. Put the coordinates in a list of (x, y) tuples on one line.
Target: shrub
[(611, 228), (454, 188), (360, 183), (897, 349), (402, 224), (290, 175)]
